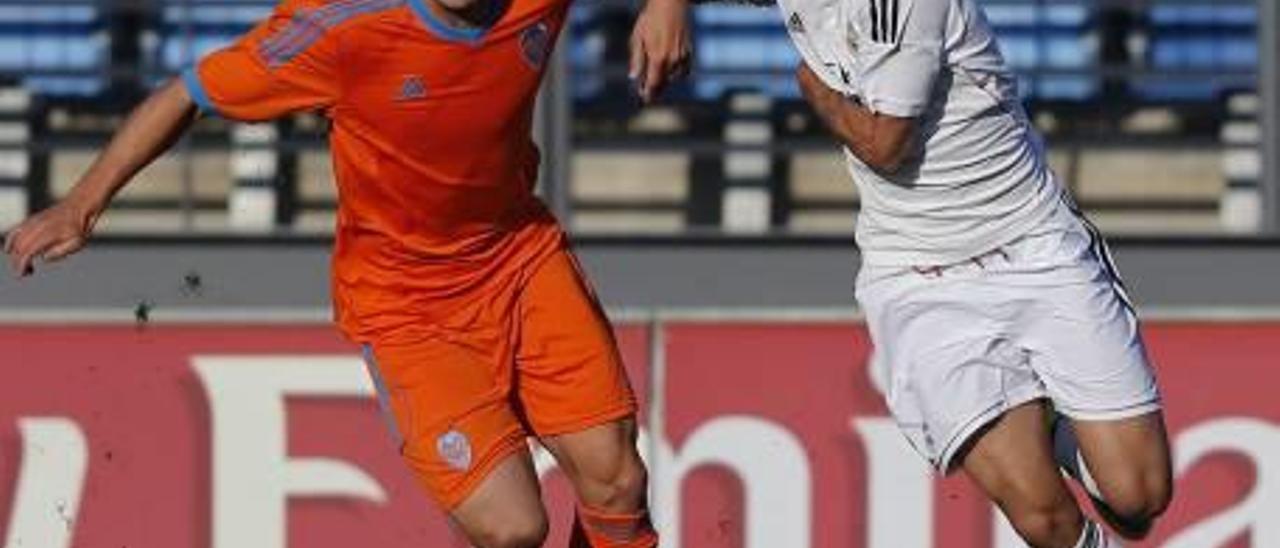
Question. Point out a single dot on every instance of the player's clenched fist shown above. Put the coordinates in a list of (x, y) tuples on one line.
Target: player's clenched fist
[(660, 46), (49, 235)]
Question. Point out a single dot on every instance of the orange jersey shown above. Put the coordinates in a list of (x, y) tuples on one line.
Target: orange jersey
[(430, 138)]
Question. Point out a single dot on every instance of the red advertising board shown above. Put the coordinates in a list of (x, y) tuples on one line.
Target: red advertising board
[(763, 435)]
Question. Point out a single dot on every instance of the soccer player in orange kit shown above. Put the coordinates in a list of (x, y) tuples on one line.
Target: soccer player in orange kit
[(477, 324)]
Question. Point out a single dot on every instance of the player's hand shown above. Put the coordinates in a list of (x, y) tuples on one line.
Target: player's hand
[(49, 235), (660, 46)]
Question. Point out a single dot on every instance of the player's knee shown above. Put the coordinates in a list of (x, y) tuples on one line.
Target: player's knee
[(1140, 498), (623, 490), (1047, 525), (527, 532)]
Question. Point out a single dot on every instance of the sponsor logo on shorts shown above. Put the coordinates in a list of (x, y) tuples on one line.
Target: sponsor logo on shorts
[(455, 449)]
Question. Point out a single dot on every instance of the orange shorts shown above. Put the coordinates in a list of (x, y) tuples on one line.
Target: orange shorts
[(465, 393)]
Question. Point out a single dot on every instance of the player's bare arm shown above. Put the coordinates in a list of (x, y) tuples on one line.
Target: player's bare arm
[(64, 228), (660, 46), (880, 141)]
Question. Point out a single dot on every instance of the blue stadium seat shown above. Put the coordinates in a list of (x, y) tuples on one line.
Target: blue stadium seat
[(1041, 39), (747, 47), (189, 31), (58, 50), (742, 47), (586, 51), (1205, 37)]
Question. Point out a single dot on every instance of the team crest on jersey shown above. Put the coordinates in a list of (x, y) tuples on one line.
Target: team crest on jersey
[(411, 89), (455, 449), (535, 44)]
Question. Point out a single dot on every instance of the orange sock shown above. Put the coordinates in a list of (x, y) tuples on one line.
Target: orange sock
[(606, 530)]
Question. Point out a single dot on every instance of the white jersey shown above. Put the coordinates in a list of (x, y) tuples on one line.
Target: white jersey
[(979, 178)]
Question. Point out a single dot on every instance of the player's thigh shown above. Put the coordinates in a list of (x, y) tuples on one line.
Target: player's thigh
[(569, 374), (1011, 460), (948, 369), (1086, 344), (603, 464), (505, 508), (448, 398), (1129, 460)]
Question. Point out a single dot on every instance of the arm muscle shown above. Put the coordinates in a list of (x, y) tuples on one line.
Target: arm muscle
[(880, 141)]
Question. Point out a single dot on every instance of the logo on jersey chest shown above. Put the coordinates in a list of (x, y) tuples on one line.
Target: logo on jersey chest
[(412, 88), (535, 44), (795, 23)]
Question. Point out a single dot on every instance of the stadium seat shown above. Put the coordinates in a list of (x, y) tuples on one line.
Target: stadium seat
[(188, 31), (55, 50), (1213, 37), (1051, 45), (742, 47)]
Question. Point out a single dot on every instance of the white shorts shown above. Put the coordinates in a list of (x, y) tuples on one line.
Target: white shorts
[(1042, 317)]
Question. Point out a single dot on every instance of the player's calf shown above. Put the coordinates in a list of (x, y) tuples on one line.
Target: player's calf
[(613, 511), (1049, 522), (611, 482)]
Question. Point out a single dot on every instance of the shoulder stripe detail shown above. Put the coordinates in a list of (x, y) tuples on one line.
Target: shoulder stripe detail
[(885, 21), (893, 22), (306, 22), (875, 21), (308, 26)]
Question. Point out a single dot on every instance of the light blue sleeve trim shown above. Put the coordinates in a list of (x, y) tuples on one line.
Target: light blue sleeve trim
[(198, 93)]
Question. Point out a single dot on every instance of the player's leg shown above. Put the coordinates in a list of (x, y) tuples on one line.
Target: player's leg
[(1012, 462), (444, 390), (1090, 354), (964, 394), (577, 398), (1124, 466), (611, 482), (505, 509)]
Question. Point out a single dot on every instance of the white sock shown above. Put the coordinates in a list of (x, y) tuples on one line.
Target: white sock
[(1095, 536), (1066, 452)]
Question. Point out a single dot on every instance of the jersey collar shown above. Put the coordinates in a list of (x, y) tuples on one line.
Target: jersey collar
[(468, 35)]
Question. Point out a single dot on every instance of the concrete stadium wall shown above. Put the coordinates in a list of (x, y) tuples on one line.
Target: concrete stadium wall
[(290, 277)]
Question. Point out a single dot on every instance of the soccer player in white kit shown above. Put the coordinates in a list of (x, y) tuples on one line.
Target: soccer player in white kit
[(992, 303)]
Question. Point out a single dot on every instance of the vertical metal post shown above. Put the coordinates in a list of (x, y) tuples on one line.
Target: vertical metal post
[(553, 127), (1269, 91), (185, 150), (657, 420)]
